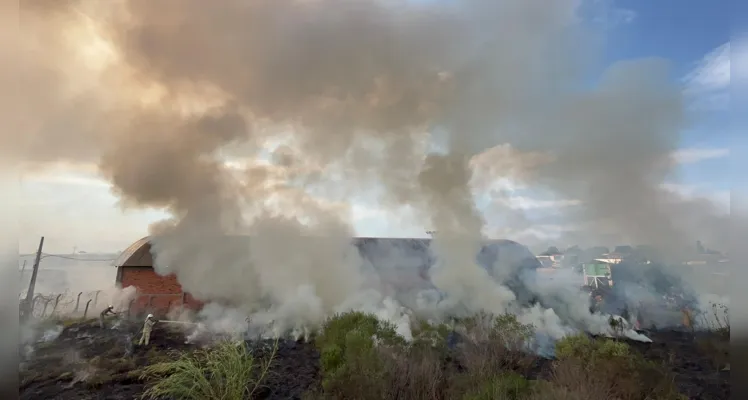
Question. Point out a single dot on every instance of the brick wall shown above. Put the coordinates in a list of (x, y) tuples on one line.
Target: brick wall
[(149, 282), (156, 294)]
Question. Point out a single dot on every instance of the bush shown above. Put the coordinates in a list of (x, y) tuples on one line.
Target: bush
[(226, 372), (350, 361), (587, 350), (488, 363), (609, 368), (507, 386), (427, 335), (496, 343)]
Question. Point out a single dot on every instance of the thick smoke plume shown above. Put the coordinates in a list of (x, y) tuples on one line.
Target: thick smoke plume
[(316, 101)]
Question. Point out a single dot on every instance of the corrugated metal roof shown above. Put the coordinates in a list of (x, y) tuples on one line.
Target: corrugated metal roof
[(379, 251), (135, 253)]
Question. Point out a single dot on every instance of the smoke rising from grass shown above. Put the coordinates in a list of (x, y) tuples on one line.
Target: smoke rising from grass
[(348, 98)]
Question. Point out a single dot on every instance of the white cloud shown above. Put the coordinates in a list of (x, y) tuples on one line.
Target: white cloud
[(713, 71), (694, 155), (611, 15), (529, 203), (65, 179), (708, 83)]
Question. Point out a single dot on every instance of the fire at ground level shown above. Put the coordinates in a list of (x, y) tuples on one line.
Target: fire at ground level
[(86, 362)]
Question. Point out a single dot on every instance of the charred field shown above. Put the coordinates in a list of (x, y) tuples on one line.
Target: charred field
[(86, 362)]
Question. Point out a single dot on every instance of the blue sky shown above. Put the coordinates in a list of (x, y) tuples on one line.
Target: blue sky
[(74, 208), (684, 32)]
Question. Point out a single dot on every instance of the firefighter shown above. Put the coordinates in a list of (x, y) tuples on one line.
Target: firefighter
[(107, 311), (147, 327), (598, 303), (687, 318)]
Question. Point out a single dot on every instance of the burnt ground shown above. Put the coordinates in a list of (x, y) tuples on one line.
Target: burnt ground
[(85, 362), (697, 359)]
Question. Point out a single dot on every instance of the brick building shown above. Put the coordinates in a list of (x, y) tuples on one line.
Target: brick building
[(402, 264), (155, 293)]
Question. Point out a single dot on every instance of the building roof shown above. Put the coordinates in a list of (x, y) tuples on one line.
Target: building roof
[(138, 254)]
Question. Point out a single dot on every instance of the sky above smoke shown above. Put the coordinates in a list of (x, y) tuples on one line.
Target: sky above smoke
[(317, 105)]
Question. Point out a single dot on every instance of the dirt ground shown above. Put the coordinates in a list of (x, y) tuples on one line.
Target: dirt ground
[(85, 362), (698, 361)]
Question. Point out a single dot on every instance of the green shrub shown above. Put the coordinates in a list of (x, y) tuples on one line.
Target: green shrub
[(506, 386), (609, 366), (336, 328), (494, 344), (350, 362), (430, 336), (588, 350), (515, 334), (226, 372)]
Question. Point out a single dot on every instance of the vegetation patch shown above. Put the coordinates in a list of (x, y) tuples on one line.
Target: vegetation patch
[(227, 371), (356, 356)]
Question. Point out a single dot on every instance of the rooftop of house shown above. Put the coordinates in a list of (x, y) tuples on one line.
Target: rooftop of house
[(139, 254)]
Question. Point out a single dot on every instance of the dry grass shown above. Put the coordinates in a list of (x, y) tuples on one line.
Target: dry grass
[(715, 343), (416, 375)]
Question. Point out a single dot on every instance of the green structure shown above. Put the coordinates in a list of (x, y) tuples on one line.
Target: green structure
[(596, 274)]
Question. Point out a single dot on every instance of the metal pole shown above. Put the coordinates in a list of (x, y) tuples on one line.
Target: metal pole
[(32, 283), (85, 312), (77, 302), (57, 302)]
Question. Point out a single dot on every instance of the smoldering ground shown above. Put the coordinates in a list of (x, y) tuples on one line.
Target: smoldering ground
[(322, 101)]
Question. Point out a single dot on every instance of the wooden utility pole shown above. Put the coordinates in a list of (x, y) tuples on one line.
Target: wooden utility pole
[(28, 306)]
